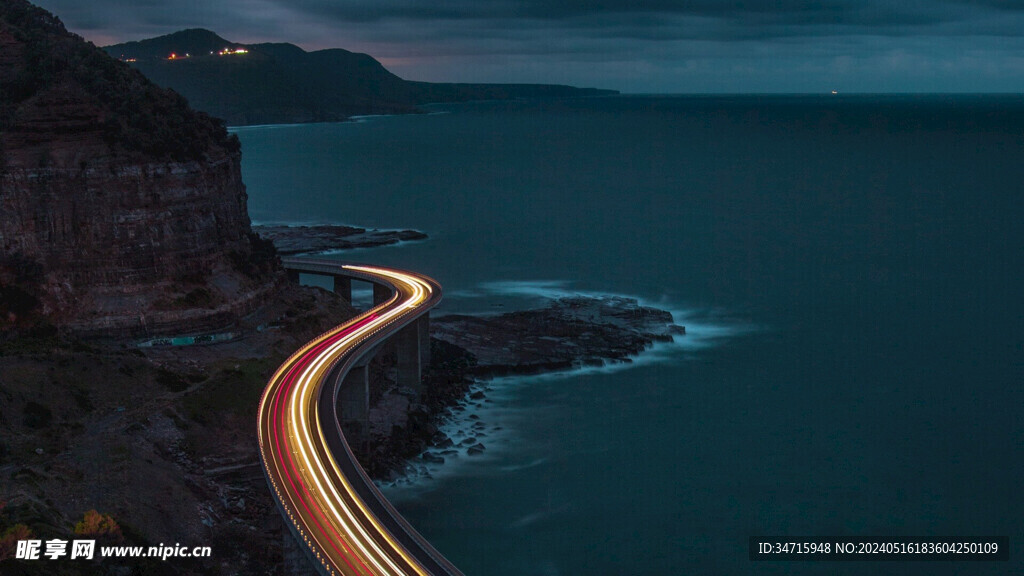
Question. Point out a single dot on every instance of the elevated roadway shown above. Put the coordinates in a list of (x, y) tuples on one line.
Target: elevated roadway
[(338, 516)]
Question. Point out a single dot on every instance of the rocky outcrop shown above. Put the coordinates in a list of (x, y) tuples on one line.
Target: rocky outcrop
[(568, 333), (122, 211), (293, 240)]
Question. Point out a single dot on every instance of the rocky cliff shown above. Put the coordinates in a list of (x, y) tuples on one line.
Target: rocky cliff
[(122, 211)]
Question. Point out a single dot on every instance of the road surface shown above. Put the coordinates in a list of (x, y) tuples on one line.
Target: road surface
[(329, 504)]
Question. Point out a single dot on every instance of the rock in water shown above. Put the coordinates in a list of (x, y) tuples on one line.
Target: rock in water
[(569, 332), (318, 239), (122, 210)]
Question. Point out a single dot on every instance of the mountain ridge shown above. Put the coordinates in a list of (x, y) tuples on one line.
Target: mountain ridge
[(267, 83)]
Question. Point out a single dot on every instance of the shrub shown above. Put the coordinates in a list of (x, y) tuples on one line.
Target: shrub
[(99, 526), (9, 540), (145, 119)]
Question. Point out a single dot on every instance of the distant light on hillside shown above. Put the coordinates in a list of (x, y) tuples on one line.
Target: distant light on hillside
[(230, 52)]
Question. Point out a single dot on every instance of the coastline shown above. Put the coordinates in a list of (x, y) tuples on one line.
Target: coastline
[(475, 356), (480, 427), (842, 321), (564, 333), (311, 239)]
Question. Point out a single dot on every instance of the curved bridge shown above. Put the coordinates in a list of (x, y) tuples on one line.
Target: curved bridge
[(340, 519)]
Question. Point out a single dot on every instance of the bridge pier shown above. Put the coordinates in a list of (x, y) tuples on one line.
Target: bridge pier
[(424, 329), (297, 562), (354, 405), (381, 294), (343, 287), (412, 353)]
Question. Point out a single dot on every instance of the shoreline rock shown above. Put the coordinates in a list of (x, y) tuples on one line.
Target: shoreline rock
[(317, 239), (466, 350), (568, 333)]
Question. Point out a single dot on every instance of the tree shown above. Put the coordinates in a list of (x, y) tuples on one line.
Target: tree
[(9, 540), (100, 526)]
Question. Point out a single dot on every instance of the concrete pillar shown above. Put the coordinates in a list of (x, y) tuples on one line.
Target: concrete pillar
[(407, 356), (343, 287), (293, 275), (297, 562), (381, 294), (424, 328), (354, 405)]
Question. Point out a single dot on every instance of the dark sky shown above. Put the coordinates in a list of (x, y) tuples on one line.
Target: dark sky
[(630, 45)]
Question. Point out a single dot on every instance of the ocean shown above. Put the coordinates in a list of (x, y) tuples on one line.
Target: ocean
[(849, 269)]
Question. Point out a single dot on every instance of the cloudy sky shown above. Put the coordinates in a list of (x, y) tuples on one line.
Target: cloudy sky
[(629, 45)]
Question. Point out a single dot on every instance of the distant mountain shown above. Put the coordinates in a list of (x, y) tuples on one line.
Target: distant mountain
[(193, 41), (278, 82)]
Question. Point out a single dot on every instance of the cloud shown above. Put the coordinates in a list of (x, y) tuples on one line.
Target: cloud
[(124, 20), (677, 43), (479, 26), (784, 17), (644, 19)]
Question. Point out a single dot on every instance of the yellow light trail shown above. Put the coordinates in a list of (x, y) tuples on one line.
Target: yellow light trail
[(333, 511)]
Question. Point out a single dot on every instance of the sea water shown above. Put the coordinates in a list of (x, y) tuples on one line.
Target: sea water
[(849, 269)]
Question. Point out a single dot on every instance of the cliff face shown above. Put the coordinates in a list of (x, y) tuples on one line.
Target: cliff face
[(122, 211)]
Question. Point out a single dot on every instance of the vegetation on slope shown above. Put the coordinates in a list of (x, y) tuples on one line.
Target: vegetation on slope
[(138, 116)]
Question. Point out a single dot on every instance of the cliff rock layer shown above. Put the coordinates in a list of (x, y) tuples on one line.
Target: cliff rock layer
[(122, 211)]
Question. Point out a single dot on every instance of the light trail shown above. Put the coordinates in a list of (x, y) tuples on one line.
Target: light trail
[(327, 500)]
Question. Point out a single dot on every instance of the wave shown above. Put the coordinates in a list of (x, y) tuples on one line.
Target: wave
[(310, 223), (492, 422), (367, 117), (527, 466), (471, 423), (705, 328), (545, 289), (357, 249), (534, 517), (247, 127)]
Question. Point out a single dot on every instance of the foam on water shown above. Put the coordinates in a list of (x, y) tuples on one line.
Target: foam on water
[(369, 117), (264, 127), (704, 327), (492, 422), (339, 251), (471, 422), (299, 223)]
